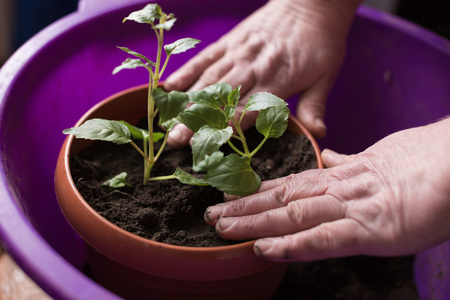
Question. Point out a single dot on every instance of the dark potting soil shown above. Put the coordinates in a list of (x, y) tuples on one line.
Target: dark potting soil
[(171, 212)]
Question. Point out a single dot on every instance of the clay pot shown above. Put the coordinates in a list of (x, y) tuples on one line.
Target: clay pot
[(135, 267)]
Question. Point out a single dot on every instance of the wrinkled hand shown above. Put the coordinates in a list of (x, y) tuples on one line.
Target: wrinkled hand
[(284, 48), (392, 199)]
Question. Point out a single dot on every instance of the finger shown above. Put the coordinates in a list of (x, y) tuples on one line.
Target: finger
[(179, 136), (296, 216), (185, 76), (290, 189), (335, 239), (308, 175), (313, 174), (303, 178), (213, 74), (331, 158), (241, 74), (311, 108)]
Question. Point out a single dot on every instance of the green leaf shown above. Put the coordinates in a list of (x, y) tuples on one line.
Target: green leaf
[(129, 63), (187, 178), (136, 132), (198, 116), (215, 95), (234, 175), (169, 124), (263, 100), (117, 182), (272, 121), (180, 46), (234, 96), (167, 25), (142, 134), (103, 130), (230, 111), (208, 140), (233, 100), (209, 161), (169, 104), (158, 136), (146, 15), (134, 53), (219, 92), (202, 98)]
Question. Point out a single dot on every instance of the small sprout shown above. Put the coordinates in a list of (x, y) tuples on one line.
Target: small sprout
[(117, 182)]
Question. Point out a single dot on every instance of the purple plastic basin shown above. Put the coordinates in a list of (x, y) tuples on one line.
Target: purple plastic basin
[(396, 75)]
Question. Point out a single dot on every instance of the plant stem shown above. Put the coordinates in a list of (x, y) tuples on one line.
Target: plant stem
[(163, 145), (164, 66), (145, 146), (140, 151), (237, 125), (259, 146), (235, 149), (236, 137), (162, 178), (151, 112)]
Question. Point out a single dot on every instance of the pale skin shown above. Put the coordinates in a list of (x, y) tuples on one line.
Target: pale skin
[(391, 199), (282, 50)]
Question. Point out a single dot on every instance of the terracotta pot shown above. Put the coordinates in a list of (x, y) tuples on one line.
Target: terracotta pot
[(134, 267)]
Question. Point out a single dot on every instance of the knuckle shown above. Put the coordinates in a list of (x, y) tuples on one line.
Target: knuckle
[(320, 243), (296, 213), (252, 47), (254, 44), (324, 240), (234, 208), (283, 193), (289, 248)]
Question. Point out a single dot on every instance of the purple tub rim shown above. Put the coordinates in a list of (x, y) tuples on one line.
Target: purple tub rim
[(39, 260)]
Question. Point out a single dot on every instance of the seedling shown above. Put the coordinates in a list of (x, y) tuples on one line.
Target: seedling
[(212, 117), (167, 106)]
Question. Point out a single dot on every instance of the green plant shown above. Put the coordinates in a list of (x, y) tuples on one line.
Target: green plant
[(167, 106), (212, 117)]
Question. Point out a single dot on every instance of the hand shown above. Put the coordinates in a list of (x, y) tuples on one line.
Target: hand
[(284, 48), (392, 199)]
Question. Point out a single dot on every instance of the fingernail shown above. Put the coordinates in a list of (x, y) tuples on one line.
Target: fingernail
[(226, 223), (320, 124), (213, 213), (263, 246)]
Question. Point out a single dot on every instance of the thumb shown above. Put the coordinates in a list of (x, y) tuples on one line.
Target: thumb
[(332, 159), (311, 108), (179, 136)]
